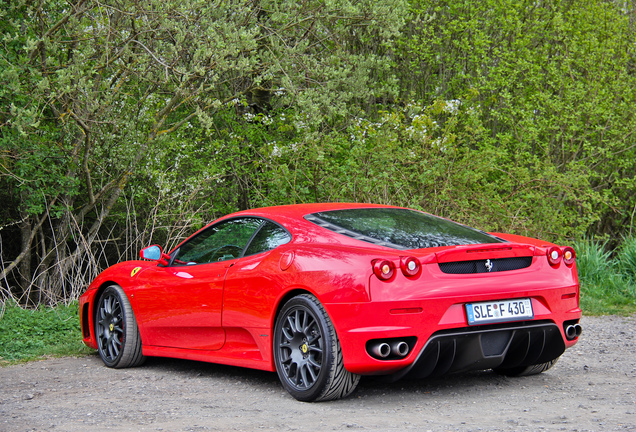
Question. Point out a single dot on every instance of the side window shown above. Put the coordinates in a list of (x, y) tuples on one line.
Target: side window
[(268, 237), (220, 242)]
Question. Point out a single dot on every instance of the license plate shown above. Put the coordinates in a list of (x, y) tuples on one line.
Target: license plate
[(499, 311)]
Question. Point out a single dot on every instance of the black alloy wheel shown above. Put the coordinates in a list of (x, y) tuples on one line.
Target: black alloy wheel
[(301, 348), (307, 352), (118, 339)]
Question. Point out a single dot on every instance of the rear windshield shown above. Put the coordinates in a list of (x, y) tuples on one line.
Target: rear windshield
[(399, 228)]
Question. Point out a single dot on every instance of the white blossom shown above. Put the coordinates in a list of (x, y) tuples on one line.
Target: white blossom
[(452, 106)]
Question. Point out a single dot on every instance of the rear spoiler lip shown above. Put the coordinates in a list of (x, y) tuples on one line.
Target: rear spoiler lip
[(487, 251)]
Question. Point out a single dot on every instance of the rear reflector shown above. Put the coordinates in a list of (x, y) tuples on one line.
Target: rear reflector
[(403, 311)]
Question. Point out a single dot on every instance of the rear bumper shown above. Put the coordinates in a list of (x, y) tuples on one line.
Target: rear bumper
[(443, 340), (489, 347)]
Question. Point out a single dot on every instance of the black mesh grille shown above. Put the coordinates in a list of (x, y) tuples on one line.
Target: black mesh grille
[(485, 266)]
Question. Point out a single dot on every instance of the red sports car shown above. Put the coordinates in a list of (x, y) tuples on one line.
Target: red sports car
[(325, 293)]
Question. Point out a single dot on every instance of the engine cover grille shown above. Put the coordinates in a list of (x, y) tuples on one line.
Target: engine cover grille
[(482, 266)]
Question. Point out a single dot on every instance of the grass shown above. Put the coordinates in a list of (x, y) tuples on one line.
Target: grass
[(608, 286), (41, 333), (608, 282)]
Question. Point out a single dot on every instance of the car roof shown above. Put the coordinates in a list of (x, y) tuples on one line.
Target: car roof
[(298, 211), (292, 217)]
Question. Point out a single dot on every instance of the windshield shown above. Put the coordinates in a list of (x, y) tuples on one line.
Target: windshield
[(399, 228)]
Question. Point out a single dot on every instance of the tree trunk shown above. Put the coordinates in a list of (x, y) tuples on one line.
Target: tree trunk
[(28, 295)]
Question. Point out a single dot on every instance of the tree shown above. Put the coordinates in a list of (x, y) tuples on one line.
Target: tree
[(90, 89), (556, 88)]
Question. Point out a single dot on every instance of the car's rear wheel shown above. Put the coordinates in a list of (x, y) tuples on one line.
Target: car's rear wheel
[(527, 370), (307, 352), (118, 339)]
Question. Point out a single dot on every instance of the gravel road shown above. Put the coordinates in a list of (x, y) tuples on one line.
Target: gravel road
[(591, 388)]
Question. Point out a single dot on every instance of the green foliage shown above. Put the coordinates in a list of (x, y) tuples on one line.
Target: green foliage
[(607, 286), (90, 92), (424, 156), (626, 258), (31, 334), (555, 84), (136, 124)]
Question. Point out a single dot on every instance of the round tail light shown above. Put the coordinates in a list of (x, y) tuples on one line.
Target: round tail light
[(568, 256), (555, 255), (410, 266), (383, 269)]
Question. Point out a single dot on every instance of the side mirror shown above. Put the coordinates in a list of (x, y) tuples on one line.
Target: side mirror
[(154, 253)]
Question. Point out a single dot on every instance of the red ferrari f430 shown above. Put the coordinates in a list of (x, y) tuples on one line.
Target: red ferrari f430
[(325, 293)]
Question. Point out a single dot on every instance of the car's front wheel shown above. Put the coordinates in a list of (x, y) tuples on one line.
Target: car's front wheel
[(307, 352), (118, 339)]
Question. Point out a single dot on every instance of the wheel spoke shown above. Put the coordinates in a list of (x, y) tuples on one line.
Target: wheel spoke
[(287, 335), (111, 350), (107, 305), (293, 373), (303, 374), (310, 369), (312, 361), (286, 357), (292, 326), (313, 337), (303, 326), (297, 328)]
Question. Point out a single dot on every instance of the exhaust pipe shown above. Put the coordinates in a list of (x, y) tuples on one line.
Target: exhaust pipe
[(381, 350), (400, 348), (578, 329), (570, 332), (573, 331)]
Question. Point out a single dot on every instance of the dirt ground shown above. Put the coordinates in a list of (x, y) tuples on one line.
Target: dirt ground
[(591, 388)]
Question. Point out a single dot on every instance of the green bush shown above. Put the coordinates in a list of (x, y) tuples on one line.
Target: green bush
[(626, 258), (30, 334), (607, 286)]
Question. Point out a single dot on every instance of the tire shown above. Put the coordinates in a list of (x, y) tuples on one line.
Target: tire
[(116, 331), (307, 353), (527, 370)]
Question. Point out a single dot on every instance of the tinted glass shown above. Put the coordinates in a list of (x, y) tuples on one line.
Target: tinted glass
[(220, 242), (268, 237), (399, 228)]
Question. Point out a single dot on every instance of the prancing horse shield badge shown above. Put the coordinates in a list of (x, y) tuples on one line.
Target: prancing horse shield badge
[(489, 265)]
